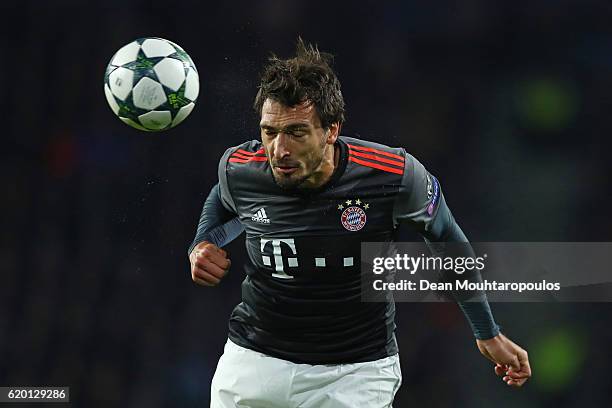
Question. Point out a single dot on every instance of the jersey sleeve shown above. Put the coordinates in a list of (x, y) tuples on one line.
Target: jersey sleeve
[(219, 222), (419, 197), (421, 204), (225, 194), (217, 225)]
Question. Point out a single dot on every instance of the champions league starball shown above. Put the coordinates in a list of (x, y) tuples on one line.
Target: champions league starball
[(151, 84)]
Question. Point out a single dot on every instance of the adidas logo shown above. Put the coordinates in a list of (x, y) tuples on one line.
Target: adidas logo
[(261, 216)]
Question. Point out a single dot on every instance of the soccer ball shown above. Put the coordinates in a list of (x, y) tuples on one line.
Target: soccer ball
[(151, 84)]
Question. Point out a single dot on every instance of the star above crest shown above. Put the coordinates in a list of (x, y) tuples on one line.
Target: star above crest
[(357, 202)]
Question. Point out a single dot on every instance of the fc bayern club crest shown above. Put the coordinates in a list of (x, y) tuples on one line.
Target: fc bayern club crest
[(353, 217)]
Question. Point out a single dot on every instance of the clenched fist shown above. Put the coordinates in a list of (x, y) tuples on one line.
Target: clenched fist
[(209, 264)]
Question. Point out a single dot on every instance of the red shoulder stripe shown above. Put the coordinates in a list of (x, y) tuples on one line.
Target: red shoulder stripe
[(376, 165), (372, 150), (244, 156), (249, 153), (253, 158), (241, 156), (380, 159)]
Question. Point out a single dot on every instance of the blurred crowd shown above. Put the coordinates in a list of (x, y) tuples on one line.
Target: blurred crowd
[(507, 103)]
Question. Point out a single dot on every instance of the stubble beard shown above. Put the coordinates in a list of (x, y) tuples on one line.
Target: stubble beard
[(289, 183)]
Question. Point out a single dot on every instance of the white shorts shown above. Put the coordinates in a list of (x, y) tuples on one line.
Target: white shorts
[(246, 378)]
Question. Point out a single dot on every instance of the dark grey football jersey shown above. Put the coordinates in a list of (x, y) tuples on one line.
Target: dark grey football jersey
[(301, 298)]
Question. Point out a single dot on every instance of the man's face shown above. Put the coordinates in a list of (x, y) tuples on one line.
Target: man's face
[(294, 142)]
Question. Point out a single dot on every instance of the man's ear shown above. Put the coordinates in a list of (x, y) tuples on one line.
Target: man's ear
[(332, 132)]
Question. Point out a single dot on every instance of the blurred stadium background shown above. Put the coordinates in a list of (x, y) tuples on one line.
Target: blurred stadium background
[(508, 103)]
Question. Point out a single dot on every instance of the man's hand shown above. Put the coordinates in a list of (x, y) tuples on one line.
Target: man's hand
[(511, 361), (209, 264)]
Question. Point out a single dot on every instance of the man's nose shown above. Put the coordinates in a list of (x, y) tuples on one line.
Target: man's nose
[(281, 147)]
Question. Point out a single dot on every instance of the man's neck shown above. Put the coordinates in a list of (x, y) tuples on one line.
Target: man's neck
[(336, 156)]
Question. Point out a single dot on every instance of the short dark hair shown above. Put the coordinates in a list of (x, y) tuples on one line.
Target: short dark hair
[(306, 77)]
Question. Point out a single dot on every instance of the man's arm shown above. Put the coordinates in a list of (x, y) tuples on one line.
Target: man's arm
[(422, 204), (219, 223), (511, 361), (218, 226)]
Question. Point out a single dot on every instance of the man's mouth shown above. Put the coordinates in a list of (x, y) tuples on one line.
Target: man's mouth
[(286, 170)]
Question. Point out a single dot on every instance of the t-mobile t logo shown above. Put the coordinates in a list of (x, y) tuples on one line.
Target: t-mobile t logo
[(278, 258)]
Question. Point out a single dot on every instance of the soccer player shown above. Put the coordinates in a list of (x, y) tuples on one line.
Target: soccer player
[(307, 197)]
